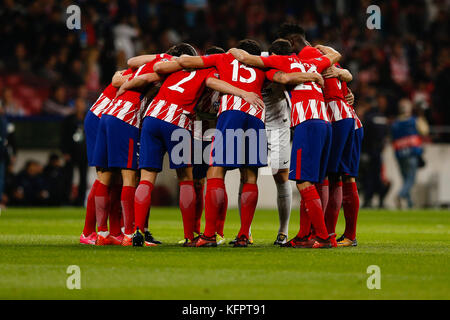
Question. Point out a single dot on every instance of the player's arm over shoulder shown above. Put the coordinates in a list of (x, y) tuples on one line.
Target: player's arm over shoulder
[(330, 53), (190, 62), (167, 66), (119, 78), (293, 78), (345, 75), (246, 58), (337, 72), (138, 61), (138, 82), (226, 88)]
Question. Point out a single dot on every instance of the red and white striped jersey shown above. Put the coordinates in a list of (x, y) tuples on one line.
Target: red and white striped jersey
[(338, 110), (178, 96), (358, 123), (307, 110), (241, 76), (230, 102), (105, 97), (306, 99), (332, 89), (337, 107), (102, 102), (126, 111), (128, 107)]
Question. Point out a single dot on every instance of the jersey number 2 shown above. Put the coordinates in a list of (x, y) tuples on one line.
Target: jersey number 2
[(177, 86)]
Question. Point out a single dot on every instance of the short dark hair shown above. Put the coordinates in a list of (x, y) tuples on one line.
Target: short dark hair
[(214, 50), (290, 29), (251, 46), (281, 47), (182, 48)]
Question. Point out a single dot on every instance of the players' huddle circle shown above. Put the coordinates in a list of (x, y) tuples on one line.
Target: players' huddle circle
[(292, 92)]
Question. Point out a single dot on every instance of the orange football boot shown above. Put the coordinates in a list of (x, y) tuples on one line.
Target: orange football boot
[(205, 241), (127, 241)]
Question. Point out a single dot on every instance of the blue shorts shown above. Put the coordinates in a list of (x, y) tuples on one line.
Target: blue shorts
[(239, 141), (356, 152), (201, 165), (156, 140), (116, 145), (91, 124), (310, 151), (341, 146)]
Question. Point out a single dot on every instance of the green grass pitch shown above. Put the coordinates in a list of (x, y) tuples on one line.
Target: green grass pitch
[(410, 247)]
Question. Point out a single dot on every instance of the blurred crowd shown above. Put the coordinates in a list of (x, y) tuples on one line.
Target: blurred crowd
[(408, 57), (45, 68), (51, 184)]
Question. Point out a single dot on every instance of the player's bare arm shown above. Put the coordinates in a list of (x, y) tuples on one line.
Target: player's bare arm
[(138, 61), (138, 82), (190, 62), (227, 88), (330, 53), (350, 97), (297, 77), (345, 75), (118, 78), (341, 74), (246, 58), (165, 67)]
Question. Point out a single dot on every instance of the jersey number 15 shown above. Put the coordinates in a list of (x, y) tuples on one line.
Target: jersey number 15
[(235, 76)]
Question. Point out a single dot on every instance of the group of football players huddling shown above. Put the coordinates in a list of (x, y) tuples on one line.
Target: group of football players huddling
[(166, 101)]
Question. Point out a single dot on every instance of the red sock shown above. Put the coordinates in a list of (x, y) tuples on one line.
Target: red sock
[(214, 202), (127, 200), (115, 212), (89, 220), (220, 223), (334, 205), (142, 203), (323, 191), (187, 207), (198, 206), (351, 207), (313, 207), (249, 199), (305, 221), (102, 206)]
